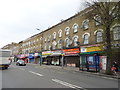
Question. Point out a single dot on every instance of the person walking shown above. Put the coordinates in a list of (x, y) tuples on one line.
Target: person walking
[(115, 68)]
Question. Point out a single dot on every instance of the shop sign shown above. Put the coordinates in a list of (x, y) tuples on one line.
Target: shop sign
[(36, 54), (83, 49), (92, 48), (46, 53), (57, 52), (71, 51)]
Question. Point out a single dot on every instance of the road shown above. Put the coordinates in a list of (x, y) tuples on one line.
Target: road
[(35, 76)]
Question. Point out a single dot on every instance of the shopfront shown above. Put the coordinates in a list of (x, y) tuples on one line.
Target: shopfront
[(31, 58), (90, 57), (56, 57), (45, 57), (71, 57)]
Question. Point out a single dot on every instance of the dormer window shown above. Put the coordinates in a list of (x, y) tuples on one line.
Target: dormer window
[(60, 33), (85, 24), (75, 28), (67, 31), (54, 35)]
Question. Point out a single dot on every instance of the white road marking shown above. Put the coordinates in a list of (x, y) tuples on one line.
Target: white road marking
[(36, 73), (22, 69), (109, 78), (66, 84)]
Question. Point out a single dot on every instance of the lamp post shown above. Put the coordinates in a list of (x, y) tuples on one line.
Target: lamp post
[(62, 59)]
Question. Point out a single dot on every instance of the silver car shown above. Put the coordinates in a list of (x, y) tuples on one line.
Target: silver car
[(21, 63)]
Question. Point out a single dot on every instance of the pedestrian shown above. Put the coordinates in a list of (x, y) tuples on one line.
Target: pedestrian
[(115, 68), (10, 60)]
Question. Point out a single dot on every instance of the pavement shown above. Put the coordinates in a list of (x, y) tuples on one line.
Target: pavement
[(74, 69)]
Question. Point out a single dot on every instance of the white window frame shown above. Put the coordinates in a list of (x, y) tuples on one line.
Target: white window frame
[(75, 42), (60, 33), (54, 35), (67, 30), (85, 24), (75, 28), (49, 38), (116, 33), (68, 42), (97, 18), (45, 46), (54, 44), (41, 39), (59, 44), (99, 38), (85, 41)]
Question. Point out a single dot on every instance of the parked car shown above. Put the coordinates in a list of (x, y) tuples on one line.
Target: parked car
[(21, 63)]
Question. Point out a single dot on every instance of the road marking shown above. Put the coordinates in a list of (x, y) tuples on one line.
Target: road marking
[(22, 69), (67, 84), (36, 73), (109, 78)]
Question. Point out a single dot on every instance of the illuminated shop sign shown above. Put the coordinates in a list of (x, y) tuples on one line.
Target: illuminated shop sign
[(92, 48), (46, 53), (71, 51)]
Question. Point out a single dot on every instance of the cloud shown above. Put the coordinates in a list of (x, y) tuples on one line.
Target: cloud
[(20, 18)]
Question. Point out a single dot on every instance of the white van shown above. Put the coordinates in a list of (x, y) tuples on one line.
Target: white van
[(4, 58)]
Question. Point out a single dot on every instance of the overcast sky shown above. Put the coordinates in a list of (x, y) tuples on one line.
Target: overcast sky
[(20, 18)]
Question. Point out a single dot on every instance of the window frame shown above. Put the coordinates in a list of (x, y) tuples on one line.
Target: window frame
[(60, 33), (75, 30), (67, 30), (85, 24)]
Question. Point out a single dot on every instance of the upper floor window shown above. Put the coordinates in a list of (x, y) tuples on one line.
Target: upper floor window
[(68, 41), (49, 37), (54, 35), (54, 44), (60, 43), (49, 46), (60, 33), (75, 28), (75, 40), (45, 40), (86, 38), (116, 33), (85, 24), (40, 39), (45, 46), (97, 20), (67, 31), (99, 36)]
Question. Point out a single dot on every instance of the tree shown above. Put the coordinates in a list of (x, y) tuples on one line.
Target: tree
[(109, 12)]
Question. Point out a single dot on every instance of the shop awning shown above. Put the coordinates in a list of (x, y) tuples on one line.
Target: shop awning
[(55, 55), (44, 56), (72, 55)]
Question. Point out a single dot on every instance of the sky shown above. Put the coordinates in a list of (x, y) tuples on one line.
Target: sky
[(20, 18)]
